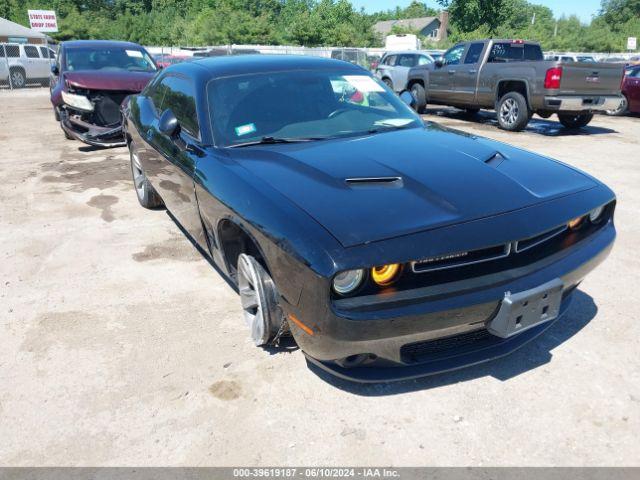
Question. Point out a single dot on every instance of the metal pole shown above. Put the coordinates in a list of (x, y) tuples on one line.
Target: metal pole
[(6, 59)]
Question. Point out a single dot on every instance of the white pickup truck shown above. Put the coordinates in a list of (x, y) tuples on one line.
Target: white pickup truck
[(26, 63)]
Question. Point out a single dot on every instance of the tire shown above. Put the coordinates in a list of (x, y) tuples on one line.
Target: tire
[(387, 81), (513, 112), (259, 300), (623, 109), (147, 196), (575, 121), (18, 78), (420, 95)]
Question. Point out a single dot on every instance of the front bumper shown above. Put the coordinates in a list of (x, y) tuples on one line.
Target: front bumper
[(595, 103), (454, 317), (95, 135)]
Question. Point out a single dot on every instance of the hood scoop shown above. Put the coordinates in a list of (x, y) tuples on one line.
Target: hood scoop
[(495, 159), (385, 182)]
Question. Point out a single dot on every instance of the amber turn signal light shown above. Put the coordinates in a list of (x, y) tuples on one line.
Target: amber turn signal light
[(385, 274), (575, 223)]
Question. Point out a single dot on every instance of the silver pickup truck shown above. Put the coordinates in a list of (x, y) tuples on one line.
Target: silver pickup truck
[(512, 77)]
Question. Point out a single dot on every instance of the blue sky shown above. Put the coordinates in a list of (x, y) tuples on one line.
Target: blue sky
[(585, 9)]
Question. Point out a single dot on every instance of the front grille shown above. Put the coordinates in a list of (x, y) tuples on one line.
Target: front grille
[(448, 346), (531, 242), (461, 258), (107, 107)]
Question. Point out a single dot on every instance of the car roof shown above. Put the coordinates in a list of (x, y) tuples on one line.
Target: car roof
[(407, 52), (247, 64), (99, 43)]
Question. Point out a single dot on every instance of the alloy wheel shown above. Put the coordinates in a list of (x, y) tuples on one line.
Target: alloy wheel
[(251, 299), (509, 111), (138, 175), (17, 79)]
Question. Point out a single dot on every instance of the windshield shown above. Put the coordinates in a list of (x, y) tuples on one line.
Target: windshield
[(109, 58), (299, 105)]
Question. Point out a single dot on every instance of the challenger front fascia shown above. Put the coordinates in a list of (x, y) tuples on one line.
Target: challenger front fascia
[(374, 337)]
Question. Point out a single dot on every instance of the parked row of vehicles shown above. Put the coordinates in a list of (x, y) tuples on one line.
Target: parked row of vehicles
[(386, 247), (510, 76)]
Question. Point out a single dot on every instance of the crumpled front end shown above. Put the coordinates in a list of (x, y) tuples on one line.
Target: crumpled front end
[(93, 116)]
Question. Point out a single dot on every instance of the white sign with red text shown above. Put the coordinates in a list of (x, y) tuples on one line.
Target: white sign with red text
[(43, 20)]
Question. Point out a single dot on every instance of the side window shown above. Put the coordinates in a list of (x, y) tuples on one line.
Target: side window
[(179, 96), (13, 51), (422, 60), (390, 60), (155, 92), (567, 59), (31, 52), (474, 52), (43, 52), (635, 73), (407, 61), (453, 56)]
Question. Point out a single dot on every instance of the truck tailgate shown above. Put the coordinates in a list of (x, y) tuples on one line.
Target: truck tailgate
[(590, 78)]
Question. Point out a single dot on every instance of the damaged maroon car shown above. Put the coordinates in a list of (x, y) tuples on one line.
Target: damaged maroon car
[(90, 80)]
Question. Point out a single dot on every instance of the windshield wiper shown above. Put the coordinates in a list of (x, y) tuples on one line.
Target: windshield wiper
[(388, 127), (274, 140)]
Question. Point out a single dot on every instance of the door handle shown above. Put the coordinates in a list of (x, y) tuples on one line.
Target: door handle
[(451, 72), (473, 70)]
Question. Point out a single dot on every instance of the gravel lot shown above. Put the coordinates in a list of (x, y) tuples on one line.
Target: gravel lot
[(121, 345)]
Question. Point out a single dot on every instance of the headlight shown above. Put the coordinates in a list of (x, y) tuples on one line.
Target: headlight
[(575, 223), (77, 101), (385, 274), (596, 214), (347, 282)]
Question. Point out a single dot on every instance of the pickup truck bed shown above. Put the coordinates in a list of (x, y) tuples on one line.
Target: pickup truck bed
[(511, 77)]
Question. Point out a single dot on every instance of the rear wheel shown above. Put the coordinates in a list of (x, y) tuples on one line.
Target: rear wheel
[(513, 112), (388, 82), (575, 121), (147, 196), (420, 95), (621, 110), (259, 300)]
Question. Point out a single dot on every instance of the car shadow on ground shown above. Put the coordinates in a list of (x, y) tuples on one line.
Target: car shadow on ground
[(531, 356), (485, 119)]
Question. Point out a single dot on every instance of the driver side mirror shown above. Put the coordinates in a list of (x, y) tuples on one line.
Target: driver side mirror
[(168, 124), (439, 63), (55, 70), (408, 98)]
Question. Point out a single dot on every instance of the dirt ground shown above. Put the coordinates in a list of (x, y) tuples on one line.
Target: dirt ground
[(120, 345)]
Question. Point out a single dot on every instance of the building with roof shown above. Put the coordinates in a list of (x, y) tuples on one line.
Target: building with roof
[(11, 32), (434, 28)]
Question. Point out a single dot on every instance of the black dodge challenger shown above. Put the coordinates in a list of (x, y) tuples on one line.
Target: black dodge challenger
[(389, 248)]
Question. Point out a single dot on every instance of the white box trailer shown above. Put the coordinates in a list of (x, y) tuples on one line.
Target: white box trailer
[(402, 42)]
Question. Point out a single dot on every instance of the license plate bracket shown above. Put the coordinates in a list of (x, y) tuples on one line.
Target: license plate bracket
[(524, 310)]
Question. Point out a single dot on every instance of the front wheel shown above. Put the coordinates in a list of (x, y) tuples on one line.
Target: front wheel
[(621, 110), (18, 79), (147, 196), (513, 112), (388, 83), (575, 121), (259, 300)]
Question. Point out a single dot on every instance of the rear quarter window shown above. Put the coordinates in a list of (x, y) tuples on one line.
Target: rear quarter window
[(31, 52)]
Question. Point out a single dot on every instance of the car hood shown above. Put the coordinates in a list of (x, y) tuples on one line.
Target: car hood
[(108, 80), (381, 186)]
